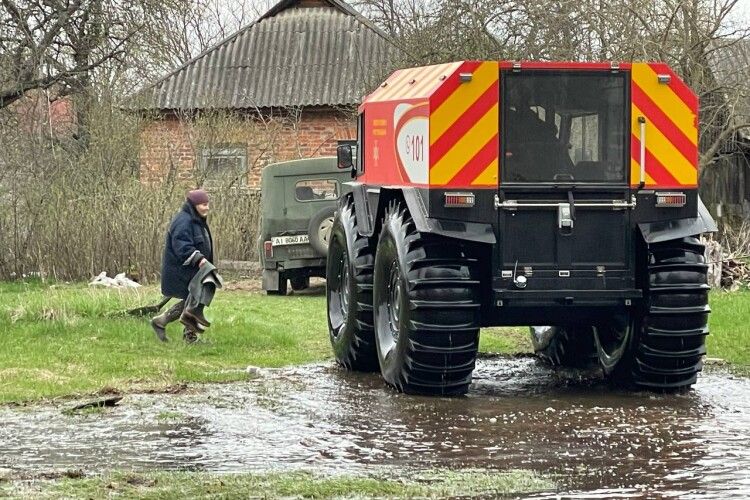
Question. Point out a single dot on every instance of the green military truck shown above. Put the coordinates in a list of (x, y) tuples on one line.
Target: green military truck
[(298, 204)]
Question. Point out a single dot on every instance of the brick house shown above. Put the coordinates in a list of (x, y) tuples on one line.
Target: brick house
[(45, 113), (283, 87)]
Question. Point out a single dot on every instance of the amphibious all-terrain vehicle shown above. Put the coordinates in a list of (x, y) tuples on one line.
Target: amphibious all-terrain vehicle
[(559, 195)]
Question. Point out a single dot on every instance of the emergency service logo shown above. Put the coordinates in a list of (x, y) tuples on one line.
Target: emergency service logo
[(412, 128)]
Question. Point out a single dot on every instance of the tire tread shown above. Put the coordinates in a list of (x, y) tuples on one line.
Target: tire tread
[(669, 352)]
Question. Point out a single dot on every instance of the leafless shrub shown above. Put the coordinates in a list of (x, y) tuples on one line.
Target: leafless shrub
[(735, 239), (69, 212)]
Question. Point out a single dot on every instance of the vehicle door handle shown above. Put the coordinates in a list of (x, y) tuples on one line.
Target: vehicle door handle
[(642, 138), (564, 216)]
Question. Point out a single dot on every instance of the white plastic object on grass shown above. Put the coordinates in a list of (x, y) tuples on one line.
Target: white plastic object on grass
[(119, 281)]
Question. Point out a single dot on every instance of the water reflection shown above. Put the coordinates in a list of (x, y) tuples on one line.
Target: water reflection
[(519, 414)]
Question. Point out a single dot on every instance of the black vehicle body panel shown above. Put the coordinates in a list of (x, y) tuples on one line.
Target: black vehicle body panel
[(548, 298)]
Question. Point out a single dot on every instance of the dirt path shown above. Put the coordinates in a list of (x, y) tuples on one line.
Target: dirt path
[(519, 414)]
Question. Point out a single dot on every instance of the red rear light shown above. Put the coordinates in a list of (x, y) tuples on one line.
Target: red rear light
[(459, 200), (268, 247), (667, 200)]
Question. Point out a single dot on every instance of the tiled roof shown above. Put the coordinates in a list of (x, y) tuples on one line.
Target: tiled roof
[(300, 53)]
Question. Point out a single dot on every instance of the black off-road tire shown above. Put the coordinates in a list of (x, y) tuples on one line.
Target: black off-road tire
[(299, 283), (319, 229), (565, 346), (666, 353), (427, 306), (349, 292)]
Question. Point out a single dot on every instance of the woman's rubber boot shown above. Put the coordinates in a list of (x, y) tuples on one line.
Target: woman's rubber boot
[(159, 323)]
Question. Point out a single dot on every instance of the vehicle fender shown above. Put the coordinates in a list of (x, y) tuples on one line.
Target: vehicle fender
[(468, 231), (370, 202), (655, 232), (365, 216)]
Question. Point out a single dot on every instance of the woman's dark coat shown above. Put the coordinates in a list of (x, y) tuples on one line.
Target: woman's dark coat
[(188, 241)]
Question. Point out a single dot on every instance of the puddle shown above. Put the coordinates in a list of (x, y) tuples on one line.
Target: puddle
[(519, 414)]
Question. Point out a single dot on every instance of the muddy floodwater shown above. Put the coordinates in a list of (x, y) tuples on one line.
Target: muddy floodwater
[(519, 414)]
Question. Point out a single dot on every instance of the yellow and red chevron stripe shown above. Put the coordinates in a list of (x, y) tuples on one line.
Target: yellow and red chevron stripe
[(671, 114), (464, 121)]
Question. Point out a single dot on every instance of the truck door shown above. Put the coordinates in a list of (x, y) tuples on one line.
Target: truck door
[(564, 197)]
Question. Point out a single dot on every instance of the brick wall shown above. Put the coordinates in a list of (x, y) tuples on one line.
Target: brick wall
[(171, 145)]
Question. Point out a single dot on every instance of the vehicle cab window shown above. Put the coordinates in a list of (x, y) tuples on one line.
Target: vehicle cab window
[(316, 190)]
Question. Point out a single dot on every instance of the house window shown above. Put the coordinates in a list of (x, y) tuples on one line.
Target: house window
[(223, 164)]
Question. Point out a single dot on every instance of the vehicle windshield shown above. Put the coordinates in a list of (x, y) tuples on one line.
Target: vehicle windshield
[(564, 127)]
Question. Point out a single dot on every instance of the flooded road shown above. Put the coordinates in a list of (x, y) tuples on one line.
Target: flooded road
[(519, 414)]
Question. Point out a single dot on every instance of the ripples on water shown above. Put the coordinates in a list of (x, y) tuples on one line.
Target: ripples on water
[(519, 415)]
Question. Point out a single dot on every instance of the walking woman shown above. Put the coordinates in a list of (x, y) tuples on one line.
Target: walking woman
[(187, 250)]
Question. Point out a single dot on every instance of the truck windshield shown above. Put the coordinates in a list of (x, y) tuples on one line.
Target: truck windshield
[(563, 127)]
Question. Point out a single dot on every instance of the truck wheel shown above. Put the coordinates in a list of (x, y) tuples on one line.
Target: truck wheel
[(299, 282), (426, 301), (667, 348), (565, 346), (319, 229), (611, 341), (349, 293)]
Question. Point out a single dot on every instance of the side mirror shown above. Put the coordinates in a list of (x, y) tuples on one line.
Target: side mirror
[(345, 156)]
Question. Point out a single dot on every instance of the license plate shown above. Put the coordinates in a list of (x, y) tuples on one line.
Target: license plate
[(297, 239)]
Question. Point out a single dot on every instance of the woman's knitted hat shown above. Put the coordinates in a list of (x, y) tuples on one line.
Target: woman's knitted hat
[(197, 196)]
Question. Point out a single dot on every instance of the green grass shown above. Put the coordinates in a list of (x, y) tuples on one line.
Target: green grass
[(729, 324), (167, 485), (506, 340), (65, 340), (69, 339), (167, 416)]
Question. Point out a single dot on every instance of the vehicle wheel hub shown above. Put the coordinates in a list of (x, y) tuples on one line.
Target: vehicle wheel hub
[(324, 231), (394, 300), (612, 341), (343, 291)]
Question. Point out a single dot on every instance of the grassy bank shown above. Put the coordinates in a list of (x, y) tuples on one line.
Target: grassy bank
[(66, 340), (163, 485), (72, 339), (730, 329)]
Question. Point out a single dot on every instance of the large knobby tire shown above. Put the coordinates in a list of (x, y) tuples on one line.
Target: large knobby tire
[(319, 229), (667, 349), (564, 346), (427, 305), (349, 292)]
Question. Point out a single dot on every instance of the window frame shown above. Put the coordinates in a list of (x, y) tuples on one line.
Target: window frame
[(229, 150), (360, 153), (563, 184), (327, 179)]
